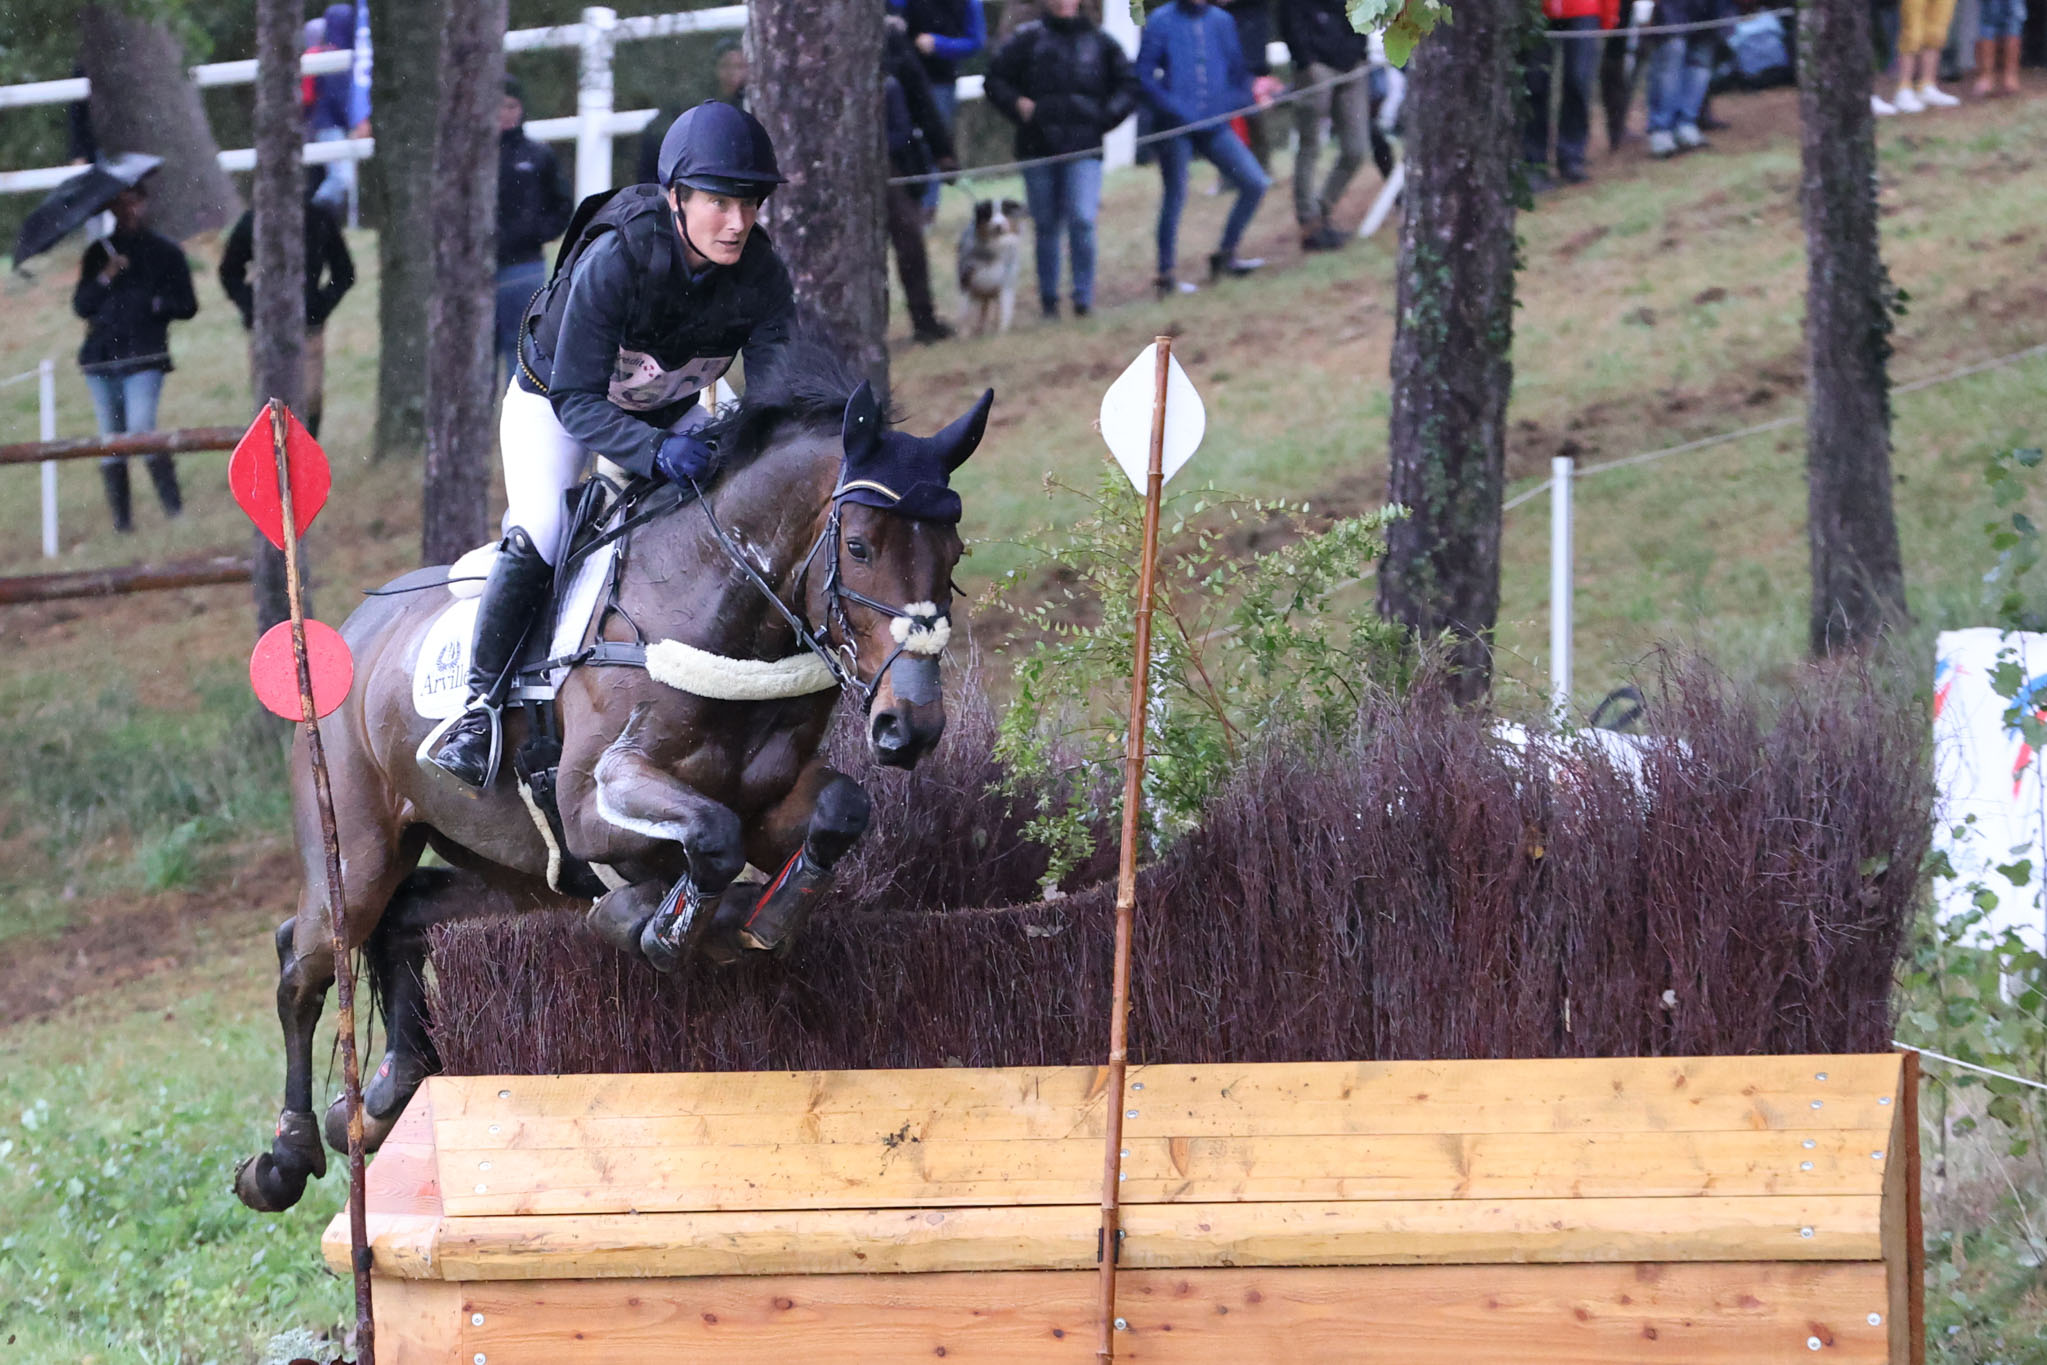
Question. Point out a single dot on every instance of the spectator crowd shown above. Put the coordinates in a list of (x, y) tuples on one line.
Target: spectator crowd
[(1200, 86)]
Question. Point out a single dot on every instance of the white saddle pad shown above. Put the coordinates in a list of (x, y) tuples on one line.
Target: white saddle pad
[(440, 670)]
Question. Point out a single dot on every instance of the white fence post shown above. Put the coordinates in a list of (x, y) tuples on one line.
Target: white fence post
[(1560, 604), (593, 101), (1119, 148), (46, 401)]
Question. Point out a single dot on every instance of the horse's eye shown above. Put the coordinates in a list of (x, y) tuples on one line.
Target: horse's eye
[(857, 549)]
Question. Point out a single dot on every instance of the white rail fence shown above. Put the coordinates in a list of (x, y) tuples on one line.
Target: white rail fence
[(592, 127)]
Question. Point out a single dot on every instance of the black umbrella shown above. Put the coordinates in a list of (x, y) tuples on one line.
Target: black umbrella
[(78, 199)]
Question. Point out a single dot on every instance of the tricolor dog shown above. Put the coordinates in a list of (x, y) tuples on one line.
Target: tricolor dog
[(990, 248)]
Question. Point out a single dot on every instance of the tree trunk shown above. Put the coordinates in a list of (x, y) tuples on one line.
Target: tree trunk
[(460, 435), (404, 95), (816, 85), (143, 100), (277, 344), (1452, 363), (1858, 586)]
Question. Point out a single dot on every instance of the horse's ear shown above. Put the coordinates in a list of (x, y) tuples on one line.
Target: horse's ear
[(862, 428), (963, 437)]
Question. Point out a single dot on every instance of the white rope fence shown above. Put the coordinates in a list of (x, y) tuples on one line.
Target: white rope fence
[(1971, 1066)]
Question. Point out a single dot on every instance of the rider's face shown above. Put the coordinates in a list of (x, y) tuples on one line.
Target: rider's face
[(717, 224)]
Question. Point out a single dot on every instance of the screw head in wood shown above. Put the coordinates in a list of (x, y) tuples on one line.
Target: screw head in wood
[(504, 1094), (1805, 1165), (1818, 1103), (1810, 1144), (1122, 1324), (1883, 1099), (1820, 1076), (1876, 1319), (1805, 1232), (1812, 1343), (476, 1319), (1876, 1156)]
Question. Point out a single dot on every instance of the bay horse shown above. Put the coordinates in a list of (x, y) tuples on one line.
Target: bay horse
[(824, 544)]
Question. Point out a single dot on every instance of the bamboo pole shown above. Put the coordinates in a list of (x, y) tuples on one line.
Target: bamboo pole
[(1126, 867), (344, 973)]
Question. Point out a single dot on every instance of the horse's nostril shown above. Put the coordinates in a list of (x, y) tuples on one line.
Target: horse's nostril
[(888, 731)]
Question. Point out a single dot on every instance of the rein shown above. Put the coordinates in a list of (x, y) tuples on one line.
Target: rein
[(922, 628)]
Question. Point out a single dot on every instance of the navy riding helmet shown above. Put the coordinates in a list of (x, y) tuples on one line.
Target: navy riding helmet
[(720, 149)]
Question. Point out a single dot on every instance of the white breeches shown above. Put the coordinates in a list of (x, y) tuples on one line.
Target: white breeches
[(543, 462)]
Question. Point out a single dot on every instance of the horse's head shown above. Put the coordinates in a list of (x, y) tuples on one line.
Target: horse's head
[(889, 592)]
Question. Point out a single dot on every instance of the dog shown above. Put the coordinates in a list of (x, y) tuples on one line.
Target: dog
[(990, 249)]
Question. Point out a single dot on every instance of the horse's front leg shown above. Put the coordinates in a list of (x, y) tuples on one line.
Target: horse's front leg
[(803, 837), (643, 807)]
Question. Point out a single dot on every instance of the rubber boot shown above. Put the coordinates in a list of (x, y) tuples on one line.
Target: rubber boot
[(163, 472), (114, 474), (519, 582)]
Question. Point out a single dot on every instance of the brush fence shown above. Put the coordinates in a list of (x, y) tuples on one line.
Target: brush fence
[(1731, 1210)]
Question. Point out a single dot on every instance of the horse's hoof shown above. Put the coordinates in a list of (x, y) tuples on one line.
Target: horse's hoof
[(392, 1088), (660, 956), (273, 1181), (374, 1129), (620, 917)]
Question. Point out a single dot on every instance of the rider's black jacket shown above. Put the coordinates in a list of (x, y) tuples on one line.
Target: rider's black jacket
[(626, 337)]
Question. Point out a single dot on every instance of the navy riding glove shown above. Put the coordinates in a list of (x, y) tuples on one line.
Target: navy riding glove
[(683, 458)]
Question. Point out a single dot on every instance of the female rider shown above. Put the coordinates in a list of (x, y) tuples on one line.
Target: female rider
[(658, 289)]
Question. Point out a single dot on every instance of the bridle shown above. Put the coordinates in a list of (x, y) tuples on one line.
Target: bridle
[(922, 635)]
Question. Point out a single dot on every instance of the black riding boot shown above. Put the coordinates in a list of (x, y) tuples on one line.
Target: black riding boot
[(114, 474), (164, 474), (518, 583)]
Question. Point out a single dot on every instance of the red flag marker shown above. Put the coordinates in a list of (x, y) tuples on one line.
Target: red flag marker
[(274, 670), (252, 478)]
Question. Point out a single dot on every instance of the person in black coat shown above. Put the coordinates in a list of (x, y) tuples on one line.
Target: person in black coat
[(919, 142), (1065, 84), (131, 287), (330, 273), (534, 205)]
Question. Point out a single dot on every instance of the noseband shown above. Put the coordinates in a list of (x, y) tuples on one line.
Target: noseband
[(919, 629)]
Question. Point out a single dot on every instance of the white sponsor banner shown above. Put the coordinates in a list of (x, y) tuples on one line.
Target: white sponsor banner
[(1990, 804)]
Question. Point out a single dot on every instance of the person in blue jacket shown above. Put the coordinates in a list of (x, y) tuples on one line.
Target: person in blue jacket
[(1190, 67)]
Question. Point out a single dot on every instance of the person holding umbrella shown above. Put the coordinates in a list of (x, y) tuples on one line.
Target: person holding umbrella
[(131, 287)]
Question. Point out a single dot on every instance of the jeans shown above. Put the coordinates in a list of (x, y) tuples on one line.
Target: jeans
[(1680, 70), (1237, 165), (947, 97), (2001, 19), (339, 182), (1064, 199), (125, 403), (1579, 59), (516, 287)]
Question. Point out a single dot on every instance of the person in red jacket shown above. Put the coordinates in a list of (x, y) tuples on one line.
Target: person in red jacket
[(1578, 59)]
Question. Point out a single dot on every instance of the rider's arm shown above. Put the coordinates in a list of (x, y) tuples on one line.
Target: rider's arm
[(764, 343), (593, 323)]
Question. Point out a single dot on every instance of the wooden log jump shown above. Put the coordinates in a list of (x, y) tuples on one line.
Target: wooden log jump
[(125, 578), (1750, 1209), (183, 441)]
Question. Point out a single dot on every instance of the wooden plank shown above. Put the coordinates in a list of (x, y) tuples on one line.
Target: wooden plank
[(419, 1322), (1556, 1095), (1704, 1314), (182, 441), (1195, 1170), (1904, 1236), (403, 1214), (910, 1241)]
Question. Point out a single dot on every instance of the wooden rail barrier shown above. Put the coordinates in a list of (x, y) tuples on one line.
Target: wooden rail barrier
[(182, 441), (125, 578), (1706, 1209)]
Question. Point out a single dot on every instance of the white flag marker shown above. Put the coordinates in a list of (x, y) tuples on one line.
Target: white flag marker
[(1127, 417)]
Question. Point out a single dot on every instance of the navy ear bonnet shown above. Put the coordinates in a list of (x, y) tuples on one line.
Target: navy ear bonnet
[(901, 473)]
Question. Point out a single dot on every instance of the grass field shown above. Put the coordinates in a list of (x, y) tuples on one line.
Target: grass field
[(142, 838)]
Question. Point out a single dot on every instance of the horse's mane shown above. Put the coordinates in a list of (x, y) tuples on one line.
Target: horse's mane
[(810, 383)]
